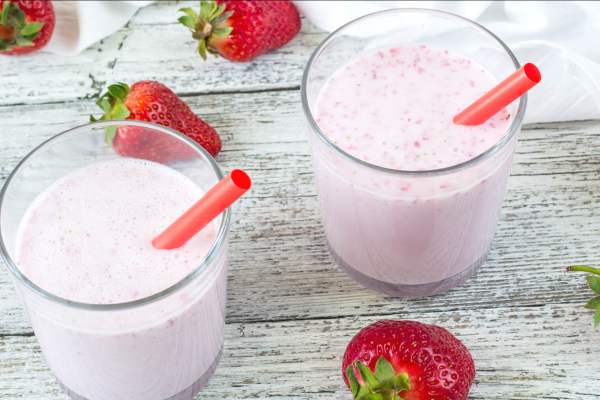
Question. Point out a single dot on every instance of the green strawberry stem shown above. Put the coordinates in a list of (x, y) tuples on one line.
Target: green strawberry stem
[(583, 268), (208, 23), (14, 31), (381, 385), (594, 284)]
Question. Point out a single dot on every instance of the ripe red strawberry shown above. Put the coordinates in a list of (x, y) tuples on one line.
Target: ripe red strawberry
[(241, 30), (25, 26), (153, 102), (407, 360)]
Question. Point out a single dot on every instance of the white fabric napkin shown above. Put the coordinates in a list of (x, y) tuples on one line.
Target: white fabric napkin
[(80, 24), (561, 38)]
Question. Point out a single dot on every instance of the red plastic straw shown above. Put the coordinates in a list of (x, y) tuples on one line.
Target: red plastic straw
[(500, 96), (211, 205)]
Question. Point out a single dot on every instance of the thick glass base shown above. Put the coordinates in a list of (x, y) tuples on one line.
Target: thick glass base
[(408, 291), (185, 394)]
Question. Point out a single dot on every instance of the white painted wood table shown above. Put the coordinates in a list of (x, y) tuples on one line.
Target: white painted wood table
[(290, 310)]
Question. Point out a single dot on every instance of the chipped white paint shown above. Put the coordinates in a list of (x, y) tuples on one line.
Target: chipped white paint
[(290, 310), (153, 46), (520, 353)]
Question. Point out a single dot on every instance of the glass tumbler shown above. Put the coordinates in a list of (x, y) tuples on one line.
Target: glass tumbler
[(435, 236), (165, 346)]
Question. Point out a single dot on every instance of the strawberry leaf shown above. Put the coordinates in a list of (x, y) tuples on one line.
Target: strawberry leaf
[(593, 303), (31, 28), (211, 51), (384, 372), (32, 36), (368, 377), (4, 18), (104, 104), (20, 16), (190, 11), (218, 10), (379, 385), (594, 283), (126, 86), (120, 111), (358, 391), (363, 394), (187, 22), (354, 385), (220, 19), (118, 91), (401, 382), (202, 49), (222, 32), (23, 42), (205, 9)]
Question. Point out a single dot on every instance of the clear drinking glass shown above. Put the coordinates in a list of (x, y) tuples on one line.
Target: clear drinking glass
[(166, 346), (436, 238)]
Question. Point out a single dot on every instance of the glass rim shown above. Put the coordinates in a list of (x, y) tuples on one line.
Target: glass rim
[(215, 248), (508, 135)]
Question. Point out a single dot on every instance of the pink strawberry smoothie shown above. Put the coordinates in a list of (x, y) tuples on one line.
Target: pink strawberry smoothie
[(88, 238), (393, 108)]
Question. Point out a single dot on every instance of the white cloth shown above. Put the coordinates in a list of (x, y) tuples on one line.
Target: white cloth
[(561, 38), (80, 24)]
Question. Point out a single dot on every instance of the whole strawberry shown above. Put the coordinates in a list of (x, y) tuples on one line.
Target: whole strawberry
[(152, 101), (407, 360), (241, 30), (25, 26)]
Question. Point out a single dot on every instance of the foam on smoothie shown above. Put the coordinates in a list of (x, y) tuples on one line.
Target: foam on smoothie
[(394, 107), (88, 237)]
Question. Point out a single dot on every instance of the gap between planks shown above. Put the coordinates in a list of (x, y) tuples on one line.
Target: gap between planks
[(547, 222), (302, 359)]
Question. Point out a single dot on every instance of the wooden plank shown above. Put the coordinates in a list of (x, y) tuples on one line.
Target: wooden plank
[(174, 62), (519, 353), (290, 310), (49, 78), (154, 46), (279, 266)]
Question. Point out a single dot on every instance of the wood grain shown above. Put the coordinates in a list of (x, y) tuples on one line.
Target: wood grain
[(290, 310), (279, 265), (153, 46), (41, 78), (520, 353)]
